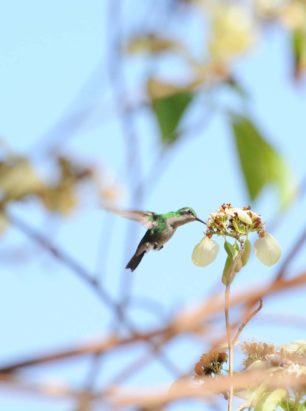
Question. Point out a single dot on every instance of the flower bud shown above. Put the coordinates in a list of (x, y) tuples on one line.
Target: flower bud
[(267, 249), (244, 216), (205, 252)]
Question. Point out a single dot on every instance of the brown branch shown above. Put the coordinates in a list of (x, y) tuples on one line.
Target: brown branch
[(192, 318), (211, 386), (103, 346), (177, 326), (45, 389), (183, 322), (91, 281), (155, 397)]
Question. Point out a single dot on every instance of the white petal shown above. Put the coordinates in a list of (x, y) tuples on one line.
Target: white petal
[(205, 252), (267, 249), (244, 217)]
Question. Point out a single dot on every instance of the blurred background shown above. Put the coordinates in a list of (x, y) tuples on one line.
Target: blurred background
[(151, 105)]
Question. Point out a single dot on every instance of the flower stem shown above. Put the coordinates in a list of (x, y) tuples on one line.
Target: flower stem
[(229, 341), (227, 321)]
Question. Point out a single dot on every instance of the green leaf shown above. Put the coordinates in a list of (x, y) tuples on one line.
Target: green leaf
[(301, 407), (253, 395), (292, 405), (299, 51), (227, 270), (169, 111), (271, 401), (231, 249), (261, 164), (246, 252), (169, 103)]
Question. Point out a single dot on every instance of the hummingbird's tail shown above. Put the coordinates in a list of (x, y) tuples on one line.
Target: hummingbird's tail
[(135, 260)]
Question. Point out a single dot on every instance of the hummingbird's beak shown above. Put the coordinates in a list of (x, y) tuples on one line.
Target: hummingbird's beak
[(201, 221)]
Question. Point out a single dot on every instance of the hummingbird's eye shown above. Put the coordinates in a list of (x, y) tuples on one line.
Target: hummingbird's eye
[(187, 212)]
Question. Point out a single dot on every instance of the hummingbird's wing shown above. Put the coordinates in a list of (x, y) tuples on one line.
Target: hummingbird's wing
[(146, 218)]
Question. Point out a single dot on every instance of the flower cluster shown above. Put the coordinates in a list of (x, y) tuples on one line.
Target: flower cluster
[(210, 363), (290, 357), (236, 223), (287, 362)]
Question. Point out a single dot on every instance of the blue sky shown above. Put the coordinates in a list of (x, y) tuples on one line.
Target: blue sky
[(48, 52)]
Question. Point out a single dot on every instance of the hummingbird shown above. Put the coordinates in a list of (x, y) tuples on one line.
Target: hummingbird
[(160, 228)]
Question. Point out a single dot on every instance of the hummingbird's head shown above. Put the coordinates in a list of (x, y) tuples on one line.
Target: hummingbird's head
[(187, 214)]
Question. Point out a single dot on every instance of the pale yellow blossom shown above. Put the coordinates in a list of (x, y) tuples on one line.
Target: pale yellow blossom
[(205, 252), (232, 32), (267, 249)]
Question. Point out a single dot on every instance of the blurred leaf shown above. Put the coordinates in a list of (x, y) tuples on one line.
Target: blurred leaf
[(152, 43), (296, 347), (72, 170), (60, 196), (299, 52), (158, 89), (253, 396), (59, 199), (3, 223), (291, 405), (169, 104), (18, 179), (272, 400), (261, 164)]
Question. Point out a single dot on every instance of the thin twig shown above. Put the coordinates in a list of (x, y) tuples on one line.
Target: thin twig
[(128, 128), (103, 248), (248, 318), (192, 318), (86, 398), (298, 245), (74, 118), (65, 260), (229, 341)]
